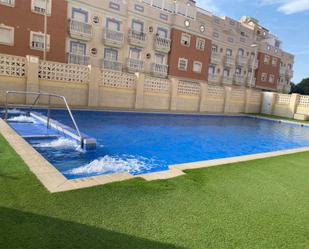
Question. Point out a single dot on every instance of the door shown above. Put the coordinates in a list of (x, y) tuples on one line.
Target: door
[(267, 102)]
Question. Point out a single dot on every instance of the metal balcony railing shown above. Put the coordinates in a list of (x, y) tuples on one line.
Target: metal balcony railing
[(137, 38), (78, 59), (112, 37), (112, 65), (134, 65), (159, 69), (80, 30)]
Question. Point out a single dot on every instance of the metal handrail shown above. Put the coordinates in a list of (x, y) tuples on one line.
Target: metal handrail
[(49, 103)]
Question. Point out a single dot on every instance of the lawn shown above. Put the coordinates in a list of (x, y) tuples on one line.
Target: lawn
[(279, 117), (258, 204)]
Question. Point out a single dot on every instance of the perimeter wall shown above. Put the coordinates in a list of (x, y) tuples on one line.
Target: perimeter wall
[(92, 87)]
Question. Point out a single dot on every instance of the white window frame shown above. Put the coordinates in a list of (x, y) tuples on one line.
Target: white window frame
[(179, 62), (49, 7), (32, 33), (6, 2), (200, 44), (266, 59), (182, 41), (271, 78), (12, 30), (264, 77), (274, 62), (200, 65)]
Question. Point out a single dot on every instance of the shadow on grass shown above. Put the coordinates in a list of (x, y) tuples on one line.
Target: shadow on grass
[(20, 229)]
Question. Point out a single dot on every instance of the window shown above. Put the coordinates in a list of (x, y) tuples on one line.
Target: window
[(230, 39), (226, 72), (229, 52), (114, 6), (185, 40), (268, 48), (80, 15), (112, 24), (197, 66), (110, 54), (37, 41), (6, 35), (161, 32), (139, 8), (134, 53), (271, 78), (238, 71), (163, 16), (137, 26), (215, 34), (8, 2), (211, 70), (200, 44), (274, 62), (77, 48), (264, 77), (182, 64), (214, 48), (242, 33), (160, 59), (39, 6), (241, 52), (266, 59)]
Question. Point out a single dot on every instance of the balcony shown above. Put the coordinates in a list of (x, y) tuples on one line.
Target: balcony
[(213, 78), (229, 61), (134, 65), (254, 64), (162, 44), (159, 70), (282, 71), (227, 80), (111, 65), (242, 60), (113, 38), (78, 59), (137, 38), (251, 84), (289, 73), (215, 58), (80, 30), (239, 80)]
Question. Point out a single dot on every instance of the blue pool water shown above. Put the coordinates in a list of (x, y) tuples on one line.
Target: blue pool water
[(142, 143)]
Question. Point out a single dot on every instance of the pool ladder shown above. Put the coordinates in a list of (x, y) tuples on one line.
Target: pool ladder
[(38, 95)]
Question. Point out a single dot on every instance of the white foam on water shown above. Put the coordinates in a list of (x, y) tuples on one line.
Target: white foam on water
[(113, 164), (60, 143), (22, 118), (13, 111)]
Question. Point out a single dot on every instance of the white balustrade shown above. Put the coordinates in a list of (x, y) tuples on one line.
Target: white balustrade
[(189, 88), (157, 85), (12, 65), (114, 79)]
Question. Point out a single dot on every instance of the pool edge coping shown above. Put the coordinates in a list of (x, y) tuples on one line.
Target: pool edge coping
[(54, 181)]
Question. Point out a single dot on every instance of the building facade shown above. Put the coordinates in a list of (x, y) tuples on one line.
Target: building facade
[(163, 38), (22, 28)]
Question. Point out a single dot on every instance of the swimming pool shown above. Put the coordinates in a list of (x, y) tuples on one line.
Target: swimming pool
[(141, 143)]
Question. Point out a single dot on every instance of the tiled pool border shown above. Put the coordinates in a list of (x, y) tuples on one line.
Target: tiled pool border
[(54, 181)]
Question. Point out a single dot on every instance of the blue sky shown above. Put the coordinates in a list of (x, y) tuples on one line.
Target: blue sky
[(288, 19)]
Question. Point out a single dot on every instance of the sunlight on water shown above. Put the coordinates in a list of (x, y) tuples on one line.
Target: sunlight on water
[(13, 111), (22, 119), (114, 164)]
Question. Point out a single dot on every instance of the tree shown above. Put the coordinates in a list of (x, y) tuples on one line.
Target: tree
[(301, 88)]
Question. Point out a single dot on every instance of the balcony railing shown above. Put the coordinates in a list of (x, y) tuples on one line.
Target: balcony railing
[(227, 80), (215, 58), (134, 65), (137, 38), (162, 44), (113, 38), (229, 60), (242, 60), (80, 30), (251, 84), (78, 59), (159, 70), (213, 78), (282, 71), (239, 80), (111, 65)]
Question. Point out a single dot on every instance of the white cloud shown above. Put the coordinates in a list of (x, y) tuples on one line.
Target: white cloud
[(289, 6), (211, 6)]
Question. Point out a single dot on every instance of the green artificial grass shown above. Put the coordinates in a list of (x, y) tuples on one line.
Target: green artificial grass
[(257, 204), (279, 117)]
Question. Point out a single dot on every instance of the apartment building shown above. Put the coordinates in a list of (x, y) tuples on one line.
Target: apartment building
[(163, 38), (22, 28)]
